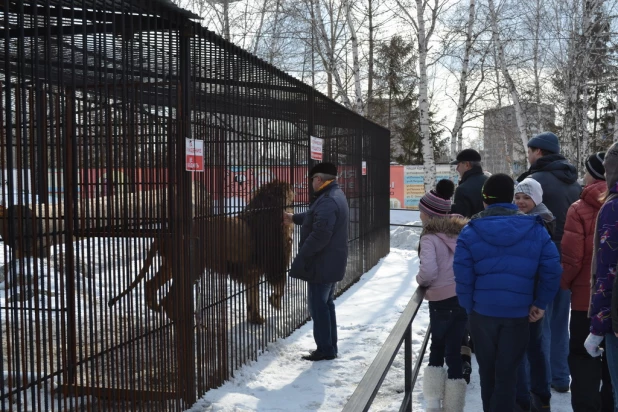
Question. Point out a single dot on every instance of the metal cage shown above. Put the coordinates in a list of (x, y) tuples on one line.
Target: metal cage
[(129, 282)]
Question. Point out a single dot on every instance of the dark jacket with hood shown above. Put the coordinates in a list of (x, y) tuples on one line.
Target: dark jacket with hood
[(323, 249), (558, 178), (499, 255), (468, 195)]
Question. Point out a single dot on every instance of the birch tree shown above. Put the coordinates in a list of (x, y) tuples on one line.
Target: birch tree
[(325, 47), (537, 61), (239, 21), (519, 113), (358, 94), (423, 103), (370, 9), (590, 8), (463, 83), (423, 34), (615, 134), (466, 95)]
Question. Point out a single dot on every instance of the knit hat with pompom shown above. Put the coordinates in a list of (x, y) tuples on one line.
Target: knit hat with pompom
[(438, 202)]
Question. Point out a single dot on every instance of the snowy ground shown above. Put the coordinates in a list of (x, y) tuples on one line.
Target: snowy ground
[(281, 381)]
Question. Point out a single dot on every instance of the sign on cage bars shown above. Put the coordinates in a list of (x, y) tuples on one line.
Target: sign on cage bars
[(364, 168), (316, 148), (195, 155)]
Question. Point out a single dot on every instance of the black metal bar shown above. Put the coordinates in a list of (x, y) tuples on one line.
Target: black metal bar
[(185, 325), (408, 385), (163, 8), (117, 394), (58, 30), (69, 221), (100, 15)]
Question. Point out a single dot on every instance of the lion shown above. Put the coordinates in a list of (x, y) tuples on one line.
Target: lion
[(245, 247)]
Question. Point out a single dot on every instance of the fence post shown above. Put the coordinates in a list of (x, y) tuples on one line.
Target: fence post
[(184, 326), (311, 132), (69, 221), (407, 347)]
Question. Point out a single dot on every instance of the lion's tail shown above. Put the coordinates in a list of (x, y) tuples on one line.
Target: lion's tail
[(142, 274)]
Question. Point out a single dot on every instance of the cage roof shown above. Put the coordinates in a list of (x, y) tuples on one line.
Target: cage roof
[(129, 50), (157, 7)]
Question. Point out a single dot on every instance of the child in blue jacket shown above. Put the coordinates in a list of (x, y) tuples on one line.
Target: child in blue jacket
[(507, 270)]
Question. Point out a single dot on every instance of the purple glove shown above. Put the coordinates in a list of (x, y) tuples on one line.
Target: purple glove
[(592, 345)]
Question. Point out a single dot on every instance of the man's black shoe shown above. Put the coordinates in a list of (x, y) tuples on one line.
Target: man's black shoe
[(318, 356), (538, 403), (467, 371), (520, 407)]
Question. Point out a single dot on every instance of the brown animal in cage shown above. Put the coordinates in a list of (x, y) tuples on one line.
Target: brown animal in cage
[(244, 247)]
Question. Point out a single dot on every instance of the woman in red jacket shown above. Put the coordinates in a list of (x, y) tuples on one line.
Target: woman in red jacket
[(577, 245)]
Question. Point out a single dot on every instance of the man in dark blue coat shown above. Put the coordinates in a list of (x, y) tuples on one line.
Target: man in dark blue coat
[(322, 256), (558, 178)]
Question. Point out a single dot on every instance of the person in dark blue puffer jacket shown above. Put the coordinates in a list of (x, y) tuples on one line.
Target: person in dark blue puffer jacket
[(322, 255), (507, 270)]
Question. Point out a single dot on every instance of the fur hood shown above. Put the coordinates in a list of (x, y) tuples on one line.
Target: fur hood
[(450, 225)]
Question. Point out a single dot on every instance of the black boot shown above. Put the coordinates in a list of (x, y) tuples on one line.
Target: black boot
[(467, 363)]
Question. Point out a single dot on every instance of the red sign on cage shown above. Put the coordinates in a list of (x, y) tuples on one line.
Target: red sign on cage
[(195, 155), (316, 148)]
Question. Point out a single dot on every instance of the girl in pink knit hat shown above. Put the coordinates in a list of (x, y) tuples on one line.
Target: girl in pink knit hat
[(447, 318)]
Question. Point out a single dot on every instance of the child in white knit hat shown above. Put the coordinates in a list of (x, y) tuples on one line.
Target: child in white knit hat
[(529, 200), (533, 386)]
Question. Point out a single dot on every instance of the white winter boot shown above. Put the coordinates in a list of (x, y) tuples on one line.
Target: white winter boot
[(433, 387), (454, 395)]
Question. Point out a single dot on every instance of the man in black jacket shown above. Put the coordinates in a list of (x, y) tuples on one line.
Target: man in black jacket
[(468, 202), (558, 178), (468, 195)]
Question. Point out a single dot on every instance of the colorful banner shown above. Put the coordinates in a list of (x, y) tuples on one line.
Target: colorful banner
[(408, 184)]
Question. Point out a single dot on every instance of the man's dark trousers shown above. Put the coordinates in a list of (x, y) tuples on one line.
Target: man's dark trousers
[(500, 344), (585, 370), (533, 375), (322, 310)]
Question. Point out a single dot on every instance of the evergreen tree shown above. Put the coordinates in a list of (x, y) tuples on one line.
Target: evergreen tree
[(395, 102)]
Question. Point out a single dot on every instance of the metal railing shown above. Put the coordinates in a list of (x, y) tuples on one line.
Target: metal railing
[(368, 388)]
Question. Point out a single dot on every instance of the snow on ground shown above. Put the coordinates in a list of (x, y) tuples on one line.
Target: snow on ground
[(281, 381)]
